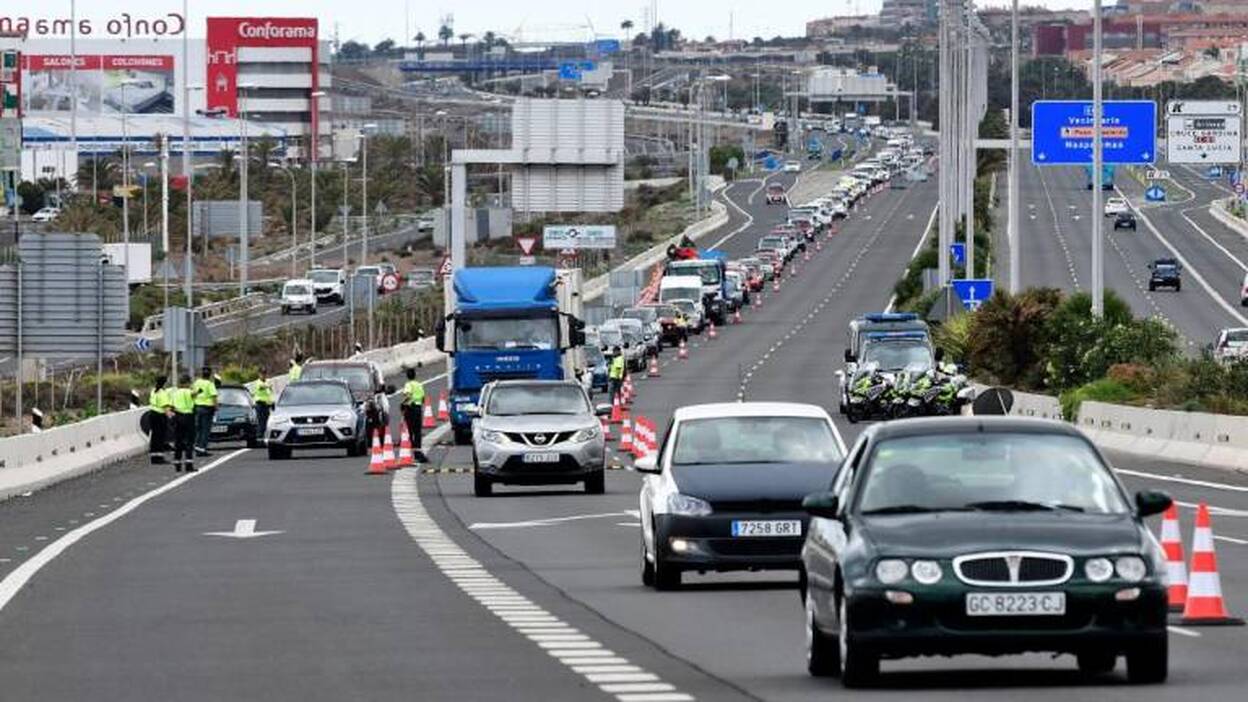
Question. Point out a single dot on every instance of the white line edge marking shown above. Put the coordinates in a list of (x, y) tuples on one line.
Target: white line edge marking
[(571, 652), (927, 230), (17, 579), (1184, 632)]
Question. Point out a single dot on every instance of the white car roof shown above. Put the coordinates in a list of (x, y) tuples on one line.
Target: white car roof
[(680, 281), (299, 281), (750, 409)]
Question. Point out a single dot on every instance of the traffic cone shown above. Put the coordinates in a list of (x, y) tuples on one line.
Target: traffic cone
[(606, 429), (617, 414), (639, 438), (444, 410), (1204, 594), (758, 299), (626, 435), (775, 284), (387, 450), (712, 334), (682, 353), (736, 316), (376, 462), (653, 370), (428, 422), (806, 255), (818, 245), (405, 449), (629, 393), (1176, 569)]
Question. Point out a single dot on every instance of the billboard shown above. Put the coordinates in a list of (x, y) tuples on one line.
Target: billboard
[(104, 84), (226, 35)]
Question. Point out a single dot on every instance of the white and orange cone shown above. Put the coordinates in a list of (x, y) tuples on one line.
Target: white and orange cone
[(653, 370), (1204, 592), (1176, 569), (682, 353), (405, 449), (376, 461), (626, 434), (736, 316), (606, 429), (429, 422), (444, 410), (387, 449), (712, 334), (617, 412)]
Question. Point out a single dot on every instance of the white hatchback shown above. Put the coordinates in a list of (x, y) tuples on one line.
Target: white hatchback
[(1115, 206), (299, 294)]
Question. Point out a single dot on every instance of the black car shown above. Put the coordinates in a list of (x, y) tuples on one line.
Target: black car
[(982, 535), (235, 419), (1166, 273), (728, 494), (1124, 220)]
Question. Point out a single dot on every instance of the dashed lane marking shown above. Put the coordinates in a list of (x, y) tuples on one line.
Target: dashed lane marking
[(572, 648)]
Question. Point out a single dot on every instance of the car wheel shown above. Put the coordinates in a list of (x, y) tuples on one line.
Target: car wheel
[(1151, 287), (596, 484), (463, 436), (285, 311), (822, 651), (1178, 288), (253, 442), (1096, 662), (278, 453), (481, 485), (666, 576), (1149, 662), (858, 668), (647, 568)]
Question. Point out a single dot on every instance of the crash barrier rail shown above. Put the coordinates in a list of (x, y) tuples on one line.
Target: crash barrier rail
[(33, 461), (155, 324), (1194, 438)]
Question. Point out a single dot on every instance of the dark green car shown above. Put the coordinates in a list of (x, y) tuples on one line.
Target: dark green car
[(984, 535), (235, 419)]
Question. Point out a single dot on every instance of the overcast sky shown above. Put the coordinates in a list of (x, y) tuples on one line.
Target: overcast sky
[(373, 20)]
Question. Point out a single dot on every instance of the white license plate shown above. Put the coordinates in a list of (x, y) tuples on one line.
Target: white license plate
[(767, 527), (310, 431), (541, 458), (220, 429), (1015, 604)]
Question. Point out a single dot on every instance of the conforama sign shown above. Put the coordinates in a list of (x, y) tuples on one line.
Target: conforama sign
[(227, 34)]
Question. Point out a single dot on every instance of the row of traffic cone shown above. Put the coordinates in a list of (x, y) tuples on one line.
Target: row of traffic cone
[(384, 459), (1198, 596)]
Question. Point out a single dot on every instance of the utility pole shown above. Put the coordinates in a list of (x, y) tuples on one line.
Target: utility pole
[(945, 173), (1098, 106), (1012, 234)]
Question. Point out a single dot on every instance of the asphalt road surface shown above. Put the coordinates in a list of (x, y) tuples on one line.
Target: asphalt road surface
[(373, 588)]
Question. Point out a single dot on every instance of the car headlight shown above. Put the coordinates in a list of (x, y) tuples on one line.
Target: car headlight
[(587, 434), (926, 572), (1098, 570), (494, 437), (687, 506), (278, 420), (891, 571), (1131, 568), (342, 416)]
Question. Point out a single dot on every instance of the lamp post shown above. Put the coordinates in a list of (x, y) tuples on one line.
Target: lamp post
[(363, 137), (294, 217), (315, 96), (244, 235), (125, 176)]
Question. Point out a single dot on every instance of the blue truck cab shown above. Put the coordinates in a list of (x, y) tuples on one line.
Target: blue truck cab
[(518, 323), (712, 268)]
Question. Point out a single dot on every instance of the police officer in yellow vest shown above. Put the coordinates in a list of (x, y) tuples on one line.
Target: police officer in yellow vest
[(182, 398), (413, 410), (296, 368), (615, 373), (262, 395), (159, 407), (205, 392)]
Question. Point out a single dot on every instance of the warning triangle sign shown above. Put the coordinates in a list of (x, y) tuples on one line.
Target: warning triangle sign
[(526, 244)]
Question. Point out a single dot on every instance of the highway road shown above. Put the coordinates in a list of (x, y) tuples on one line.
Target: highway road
[(113, 587)]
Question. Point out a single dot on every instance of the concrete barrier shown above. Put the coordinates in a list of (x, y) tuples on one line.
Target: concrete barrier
[(1217, 209)]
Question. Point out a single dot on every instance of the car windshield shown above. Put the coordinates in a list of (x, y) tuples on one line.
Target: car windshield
[(733, 440), (646, 315), (370, 270), (302, 393), (709, 272), (666, 311), (897, 355), (421, 276), (324, 276), (234, 396), (358, 378), (594, 356), (1166, 268), (1236, 337), (672, 294), (686, 307), (537, 399), (989, 472), (771, 242), (610, 336), (498, 334), (297, 290)]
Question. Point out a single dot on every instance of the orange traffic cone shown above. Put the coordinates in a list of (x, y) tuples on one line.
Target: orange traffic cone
[(736, 316), (775, 284), (387, 450), (806, 255), (682, 353), (818, 245), (712, 334), (405, 449), (1204, 594), (1176, 569), (428, 421), (626, 435), (376, 462), (616, 411), (606, 429), (630, 392), (758, 299), (444, 410), (653, 371)]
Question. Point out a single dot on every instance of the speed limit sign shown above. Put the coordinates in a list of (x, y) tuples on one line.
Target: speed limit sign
[(390, 282)]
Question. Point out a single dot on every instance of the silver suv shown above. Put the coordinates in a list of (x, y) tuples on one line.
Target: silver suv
[(537, 432), (316, 414)]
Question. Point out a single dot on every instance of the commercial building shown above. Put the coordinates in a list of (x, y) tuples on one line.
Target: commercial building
[(913, 13)]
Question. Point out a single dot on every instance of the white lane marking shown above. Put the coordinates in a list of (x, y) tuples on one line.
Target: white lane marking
[(892, 301), (547, 522), (1184, 632), (1213, 241), (15, 580), (567, 646), (1231, 540), (749, 222), (655, 697), (243, 529), (1184, 481)]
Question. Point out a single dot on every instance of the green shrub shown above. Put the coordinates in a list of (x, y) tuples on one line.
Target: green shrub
[(1103, 390)]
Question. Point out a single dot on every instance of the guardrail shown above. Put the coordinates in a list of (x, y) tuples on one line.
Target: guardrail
[(154, 325)]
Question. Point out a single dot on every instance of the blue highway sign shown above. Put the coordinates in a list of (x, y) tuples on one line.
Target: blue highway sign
[(143, 344), (1155, 193), (959, 253), (1214, 172), (1062, 132), (569, 71), (972, 292)]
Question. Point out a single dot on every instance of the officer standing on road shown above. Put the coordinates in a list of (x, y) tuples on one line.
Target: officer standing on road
[(183, 421), (296, 368), (413, 411), (615, 373), (159, 404), (262, 395), (205, 393)]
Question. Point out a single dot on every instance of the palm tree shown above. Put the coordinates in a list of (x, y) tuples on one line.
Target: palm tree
[(463, 40), (446, 34), (488, 40), (420, 44), (625, 27)]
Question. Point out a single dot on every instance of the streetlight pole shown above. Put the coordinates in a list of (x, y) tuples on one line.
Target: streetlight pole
[(1098, 106), (125, 180), (244, 235), (316, 157), (294, 218), (1012, 233)]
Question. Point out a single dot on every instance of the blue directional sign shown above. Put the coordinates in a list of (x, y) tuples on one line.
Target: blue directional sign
[(569, 71), (607, 46), (1214, 172), (959, 254), (1062, 132), (771, 163), (1155, 193), (143, 344), (972, 292)]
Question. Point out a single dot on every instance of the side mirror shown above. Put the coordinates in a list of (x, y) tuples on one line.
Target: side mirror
[(1150, 502), (440, 335), (603, 410), (390, 389), (821, 504), (849, 356), (649, 465), (840, 375)]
